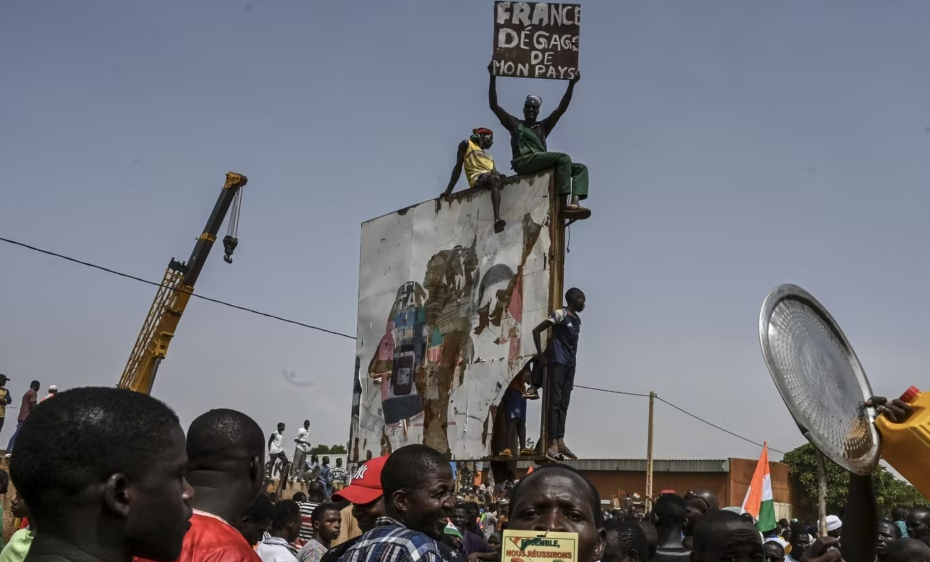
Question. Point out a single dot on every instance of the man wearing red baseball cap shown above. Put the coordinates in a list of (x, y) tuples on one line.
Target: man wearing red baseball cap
[(367, 499)]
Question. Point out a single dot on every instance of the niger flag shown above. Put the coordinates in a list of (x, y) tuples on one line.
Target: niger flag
[(759, 501)]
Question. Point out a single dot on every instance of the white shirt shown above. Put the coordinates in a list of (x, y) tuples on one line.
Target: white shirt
[(274, 549), (303, 435), (276, 447)]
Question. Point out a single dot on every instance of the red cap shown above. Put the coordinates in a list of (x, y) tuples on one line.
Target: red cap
[(366, 483), (910, 394)]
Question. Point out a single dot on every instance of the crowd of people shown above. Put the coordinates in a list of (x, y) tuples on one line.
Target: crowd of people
[(108, 475)]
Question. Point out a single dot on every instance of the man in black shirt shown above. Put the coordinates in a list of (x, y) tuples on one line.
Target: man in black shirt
[(566, 329), (723, 535), (671, 514)]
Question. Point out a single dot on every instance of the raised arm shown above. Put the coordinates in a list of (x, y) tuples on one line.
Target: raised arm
[(543, 326), (270, 440), (457, 170), (563, 105), (505, 118)]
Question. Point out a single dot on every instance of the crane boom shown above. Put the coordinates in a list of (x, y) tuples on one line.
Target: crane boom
[(176, 289)]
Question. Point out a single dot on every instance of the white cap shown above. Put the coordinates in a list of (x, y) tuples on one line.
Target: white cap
[(833, 523), (53, 387), (778, 540)]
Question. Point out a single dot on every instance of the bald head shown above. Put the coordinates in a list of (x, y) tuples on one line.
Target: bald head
[(226, 460), (221, 436), (723, 535), (705, 494), (918, 522), (316, 492), (908, 550)]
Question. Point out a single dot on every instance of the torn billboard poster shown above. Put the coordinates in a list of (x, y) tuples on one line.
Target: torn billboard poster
[(445, 314)]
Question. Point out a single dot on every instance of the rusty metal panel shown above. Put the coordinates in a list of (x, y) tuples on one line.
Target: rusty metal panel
[(445, 313), (536, 39)]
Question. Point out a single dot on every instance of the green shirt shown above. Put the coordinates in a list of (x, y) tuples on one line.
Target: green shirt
[(526, 139), (18, 547), (529, 140)]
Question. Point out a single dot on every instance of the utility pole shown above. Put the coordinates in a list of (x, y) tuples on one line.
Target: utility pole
[(652, 400)]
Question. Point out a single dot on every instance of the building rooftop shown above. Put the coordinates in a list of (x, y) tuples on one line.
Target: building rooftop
[(639, 465)]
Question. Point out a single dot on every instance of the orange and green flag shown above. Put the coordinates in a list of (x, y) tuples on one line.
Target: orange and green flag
[(759, 501)]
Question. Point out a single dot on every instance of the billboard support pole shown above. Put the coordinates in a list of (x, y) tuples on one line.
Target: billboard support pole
[(556, 282)]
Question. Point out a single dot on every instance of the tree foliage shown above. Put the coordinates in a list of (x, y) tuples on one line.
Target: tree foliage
[(890, 491), (328, 450)]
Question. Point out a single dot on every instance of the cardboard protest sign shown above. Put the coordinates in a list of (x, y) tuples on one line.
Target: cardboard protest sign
[(539, 546), (536, 39)]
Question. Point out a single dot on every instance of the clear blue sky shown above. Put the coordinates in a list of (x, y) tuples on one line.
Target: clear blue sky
[(732, 146)]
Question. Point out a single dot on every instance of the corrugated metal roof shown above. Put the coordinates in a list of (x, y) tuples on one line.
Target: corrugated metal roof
[(639, 465)]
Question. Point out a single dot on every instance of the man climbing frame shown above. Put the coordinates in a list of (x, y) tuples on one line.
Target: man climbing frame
[(528, 143), (566, 327), (480, 170)]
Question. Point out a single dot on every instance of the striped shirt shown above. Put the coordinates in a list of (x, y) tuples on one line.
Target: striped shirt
[(391, 541), (306, 525)]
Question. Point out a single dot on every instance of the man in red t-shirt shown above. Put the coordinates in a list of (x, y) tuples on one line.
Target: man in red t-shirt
[(29, 402), (226, 459)]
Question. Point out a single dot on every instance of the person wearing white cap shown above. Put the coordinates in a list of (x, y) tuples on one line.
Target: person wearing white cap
[(52, 391), (834, 525), (774, 549)]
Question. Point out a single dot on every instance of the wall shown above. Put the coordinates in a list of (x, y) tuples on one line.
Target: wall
[(728, 479), (445, 305), (608, 483)]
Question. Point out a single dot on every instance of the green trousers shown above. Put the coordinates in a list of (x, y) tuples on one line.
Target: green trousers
[(571, 178)]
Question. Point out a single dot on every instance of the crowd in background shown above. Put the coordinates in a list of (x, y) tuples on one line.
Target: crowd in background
[(108, 475)]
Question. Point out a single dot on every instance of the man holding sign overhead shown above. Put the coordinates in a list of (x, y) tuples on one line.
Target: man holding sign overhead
[(540, 40), (530, 155)]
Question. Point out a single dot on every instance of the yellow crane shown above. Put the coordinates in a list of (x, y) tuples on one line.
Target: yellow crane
[(176, 290)]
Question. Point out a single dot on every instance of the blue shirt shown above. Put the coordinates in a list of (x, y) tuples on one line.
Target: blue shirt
[(565, 331), (474, 543), (391, 541), (903, 528)]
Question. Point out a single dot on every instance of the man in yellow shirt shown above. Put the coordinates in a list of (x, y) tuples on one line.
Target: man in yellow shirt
[(5, 398), (480, 170)]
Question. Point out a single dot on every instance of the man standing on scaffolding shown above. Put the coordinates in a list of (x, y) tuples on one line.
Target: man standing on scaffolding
[(530, 155)]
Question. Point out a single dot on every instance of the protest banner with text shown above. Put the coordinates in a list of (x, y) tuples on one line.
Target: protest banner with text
[(539, 546), (536, 39)]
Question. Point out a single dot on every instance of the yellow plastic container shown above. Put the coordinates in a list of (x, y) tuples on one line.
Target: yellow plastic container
[(906, 446)]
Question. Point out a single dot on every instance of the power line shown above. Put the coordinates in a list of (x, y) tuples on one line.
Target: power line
[(727, 431), (682, 410), (613, 391), (155, 284), (332, 332)]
